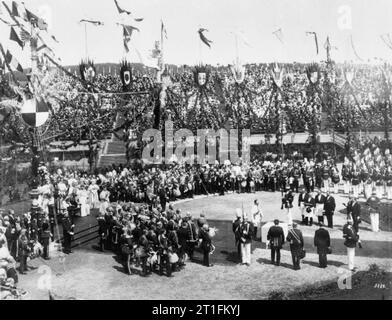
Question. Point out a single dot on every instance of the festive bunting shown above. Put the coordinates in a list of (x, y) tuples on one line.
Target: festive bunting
[(18, 10), (203, 37), (14, 37)]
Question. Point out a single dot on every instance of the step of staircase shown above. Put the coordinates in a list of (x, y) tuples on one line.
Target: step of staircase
[(115, 147), (107, 160)]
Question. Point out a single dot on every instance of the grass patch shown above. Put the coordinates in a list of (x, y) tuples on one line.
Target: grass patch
[(373, 283)]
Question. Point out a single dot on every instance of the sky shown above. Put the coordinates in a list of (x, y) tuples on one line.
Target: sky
[(256, 20)]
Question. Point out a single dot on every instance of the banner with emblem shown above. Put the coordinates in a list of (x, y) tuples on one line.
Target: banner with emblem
[(313, 73), (87, 71), (201, 75), (126, 75)]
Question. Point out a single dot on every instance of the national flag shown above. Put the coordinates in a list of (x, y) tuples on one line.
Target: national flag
[(93, 22), (4, 18), (14, 64), (127, 33), (14, 37), (315, 39), (36, 21), (24, 35), (278, 34), (124, 13), (163, 30), (19, 11), (203, 37), (120, 10)]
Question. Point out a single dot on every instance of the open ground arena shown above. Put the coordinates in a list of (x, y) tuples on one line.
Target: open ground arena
[(89, 274)]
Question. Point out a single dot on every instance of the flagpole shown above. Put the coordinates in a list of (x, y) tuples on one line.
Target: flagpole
[(85, 39), (236, 46)]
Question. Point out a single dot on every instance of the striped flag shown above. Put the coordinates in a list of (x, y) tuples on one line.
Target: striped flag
[(19, 11), (24, 35), (14, 37), (11, 60)]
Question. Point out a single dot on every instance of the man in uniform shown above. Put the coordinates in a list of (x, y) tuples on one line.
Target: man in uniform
[(373, 203), (355, 211), (287, 204), (351, 239), (206, 245), (301, 204), (246, 234), (322, 242), (346, 176), (67, 232), (102, 231), (296, 241), (276, 238), (309, 209), (237, 234), (329, 209), (320, 201), (326, 176)]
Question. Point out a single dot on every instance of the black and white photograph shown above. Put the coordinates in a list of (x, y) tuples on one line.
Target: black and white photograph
[(195, 150)]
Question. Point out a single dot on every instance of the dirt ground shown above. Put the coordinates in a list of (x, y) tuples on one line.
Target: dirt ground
[(89, 274)]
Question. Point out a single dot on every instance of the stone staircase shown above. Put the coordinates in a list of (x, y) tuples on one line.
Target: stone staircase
[(114, 150)]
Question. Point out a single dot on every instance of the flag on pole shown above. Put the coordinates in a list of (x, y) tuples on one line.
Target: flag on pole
[(18, 11), (14, 64), (4, 18), (128, 13), (14, 37), (24, 35), (279, 35), (120, 10), (36, 21), (127, 33), (93, 22), (315, 39), (163, 30), (203, 37)]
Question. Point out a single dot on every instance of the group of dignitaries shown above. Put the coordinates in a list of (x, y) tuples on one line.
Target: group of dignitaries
[(311, 205), (157, 240)]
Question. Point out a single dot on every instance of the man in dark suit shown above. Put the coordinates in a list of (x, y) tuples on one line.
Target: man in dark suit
[(296, 241), (320, 201), (329, 209), (67, 232), (356, 216), (237, 234), (322, 241), (206, 245), (192, 236), (276, 238)]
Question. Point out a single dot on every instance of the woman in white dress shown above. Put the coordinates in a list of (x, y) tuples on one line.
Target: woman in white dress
[(93, 194), (104, 198), (83, 196)]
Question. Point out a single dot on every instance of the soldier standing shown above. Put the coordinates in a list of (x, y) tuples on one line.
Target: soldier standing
[(373, 203)]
